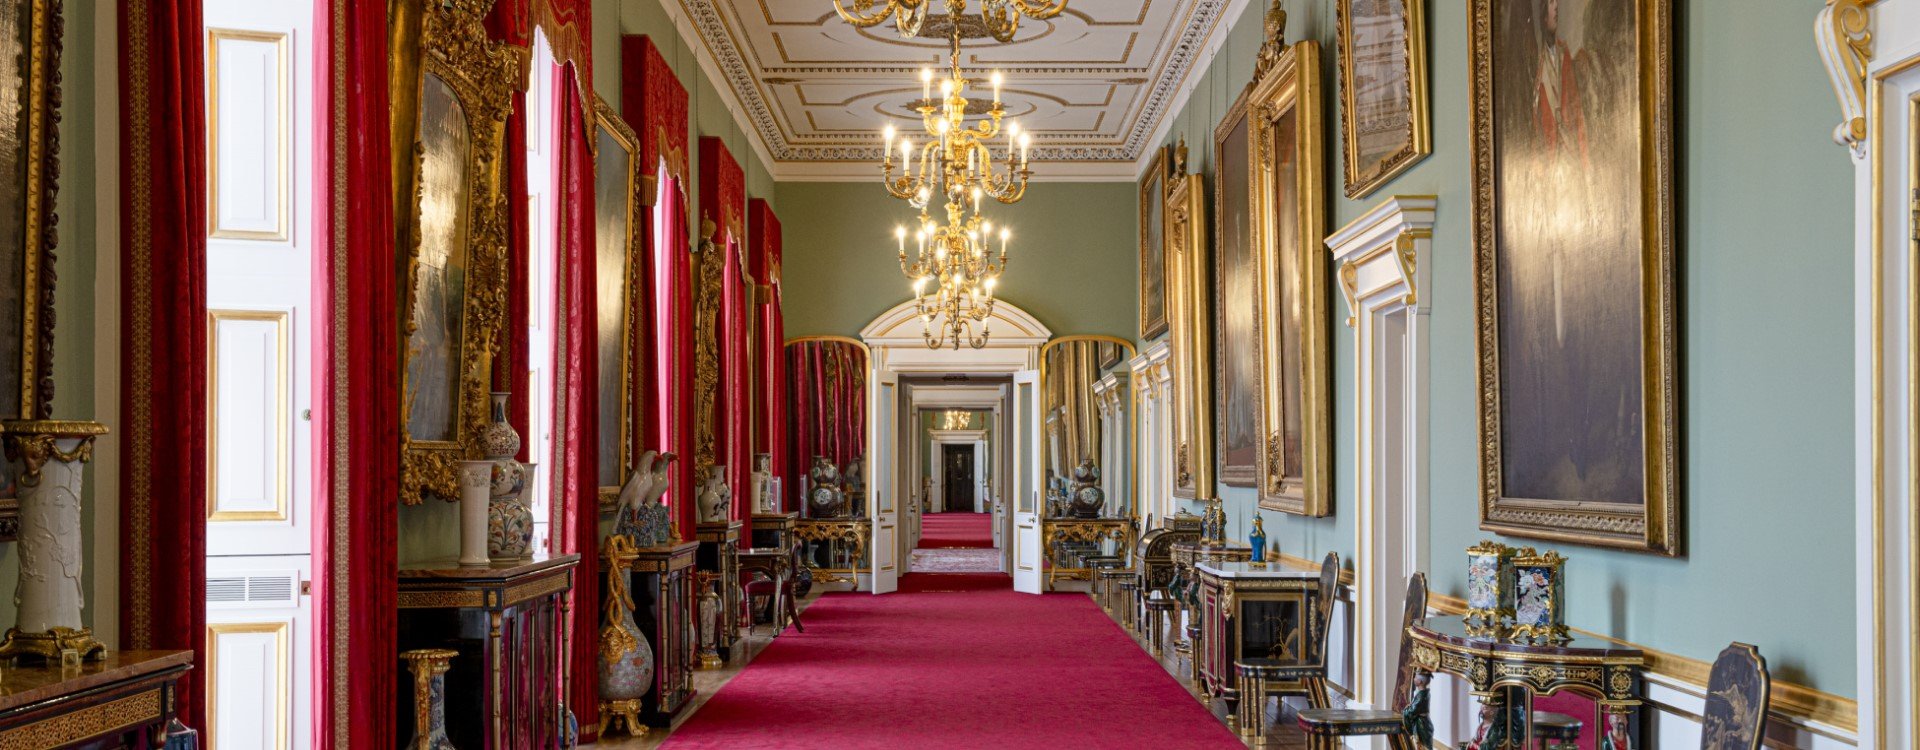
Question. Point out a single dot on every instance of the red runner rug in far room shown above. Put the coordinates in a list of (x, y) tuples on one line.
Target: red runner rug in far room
[(956, 530), (953, 661)]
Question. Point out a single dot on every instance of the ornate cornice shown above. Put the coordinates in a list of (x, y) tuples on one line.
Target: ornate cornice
[(1185, 48)]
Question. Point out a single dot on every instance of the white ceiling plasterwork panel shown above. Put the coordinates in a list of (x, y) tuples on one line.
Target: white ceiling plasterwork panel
[(1093, 84)]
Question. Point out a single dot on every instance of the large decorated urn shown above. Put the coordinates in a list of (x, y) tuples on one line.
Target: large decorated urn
[(49, 458), (1087, 498), (824, 498)]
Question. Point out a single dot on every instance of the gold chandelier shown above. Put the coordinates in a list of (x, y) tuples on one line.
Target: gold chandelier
[(955, 270), (1001, 17)]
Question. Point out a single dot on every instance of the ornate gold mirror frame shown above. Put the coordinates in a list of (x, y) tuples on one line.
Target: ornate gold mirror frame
[(1069, 367), (621, 191), (1189, 315), (454, 297), (30, 161), (1289, 215)]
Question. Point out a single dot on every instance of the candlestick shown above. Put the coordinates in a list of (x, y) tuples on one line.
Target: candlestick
[(996, 88), (926, 86)]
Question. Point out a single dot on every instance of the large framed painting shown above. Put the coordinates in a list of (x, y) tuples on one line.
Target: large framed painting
[(1153, 247), (1295, 456), (1189, 313), (1236, 303), (454, 287), (620, 192), (1383, 90), (1574, 285)]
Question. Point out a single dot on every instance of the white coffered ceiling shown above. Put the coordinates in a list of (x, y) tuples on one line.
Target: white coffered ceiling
[(1092, 84)]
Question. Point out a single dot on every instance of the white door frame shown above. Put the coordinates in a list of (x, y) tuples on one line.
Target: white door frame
[(895, 341), (1877, 82), (975, 438), (1028, 552), (1383, 267)]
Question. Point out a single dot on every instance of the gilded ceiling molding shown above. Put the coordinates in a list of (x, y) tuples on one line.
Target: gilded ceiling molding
[(1845, 42), (1185, 47)]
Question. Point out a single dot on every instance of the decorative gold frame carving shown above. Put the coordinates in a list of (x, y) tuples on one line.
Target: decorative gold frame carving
[(40, 167), (1419, 142), (453, 46), (1190, 319), (1655, 526), (709, 268), (1290, 84), (1153, 185), (640, 193)]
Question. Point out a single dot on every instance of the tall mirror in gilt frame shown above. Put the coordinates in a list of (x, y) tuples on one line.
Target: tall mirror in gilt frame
[(1289, 214), (29, 164), (455, 254), (620, 191), (1189, 317), (1087, 454)]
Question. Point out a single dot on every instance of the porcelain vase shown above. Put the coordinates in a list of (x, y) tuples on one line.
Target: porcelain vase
[(509, 521), (50, 460), (626, 660), (476, 499), (429, 666)]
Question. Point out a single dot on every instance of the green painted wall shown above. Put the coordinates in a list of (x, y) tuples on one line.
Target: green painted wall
[(432, 529), (1073, 259), (1764, 224)]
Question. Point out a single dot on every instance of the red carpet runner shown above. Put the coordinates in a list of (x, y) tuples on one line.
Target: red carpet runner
[(953, 661), (956, 530)]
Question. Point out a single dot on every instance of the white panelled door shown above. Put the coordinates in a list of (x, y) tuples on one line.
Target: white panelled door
[(260, 113), (1027, 573), (884, 485)]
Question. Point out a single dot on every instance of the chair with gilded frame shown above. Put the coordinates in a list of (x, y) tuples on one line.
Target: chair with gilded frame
[(1407, 726), (1260, 675)]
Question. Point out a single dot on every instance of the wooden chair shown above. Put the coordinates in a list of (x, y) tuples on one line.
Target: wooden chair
[(1738, 692), (1159, 609), (1406, 726), (1257, 674)]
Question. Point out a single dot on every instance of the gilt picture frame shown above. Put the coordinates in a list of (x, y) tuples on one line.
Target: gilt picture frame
[(1559, 458), (620, 193), (1189, 318), (29, 175), (1236, 300), (1295, 456), (1153, 247), (1386, 125), (454, 283)]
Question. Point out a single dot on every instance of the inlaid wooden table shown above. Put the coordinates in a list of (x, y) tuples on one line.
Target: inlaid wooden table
[(124, 699), (1249, 609), (720, 555), (507, 621), (1506, 674), (1185, 588)]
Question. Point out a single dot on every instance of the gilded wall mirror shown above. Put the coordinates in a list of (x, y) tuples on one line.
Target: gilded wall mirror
[(1088, 429), (455, 272), (827, 414), (29, 164), (619, 193)]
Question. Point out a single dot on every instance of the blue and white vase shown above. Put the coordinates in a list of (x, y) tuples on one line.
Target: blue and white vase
[(429, 667)]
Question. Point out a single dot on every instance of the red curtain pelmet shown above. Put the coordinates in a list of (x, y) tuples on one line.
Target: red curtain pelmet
[(163, 337)]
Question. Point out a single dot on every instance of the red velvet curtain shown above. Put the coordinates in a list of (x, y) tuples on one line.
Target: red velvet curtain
[(163, 336), (769, 360), (655, 104), (577, 420), (723, 196), (827, 401), (356, 384)]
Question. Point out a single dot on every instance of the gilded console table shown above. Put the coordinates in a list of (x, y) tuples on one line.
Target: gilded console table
[(125, 699), (663, 606), (1095, 531), (833, 548), (1244, 610), (720, 555), (507, 621), (1505, 675)]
